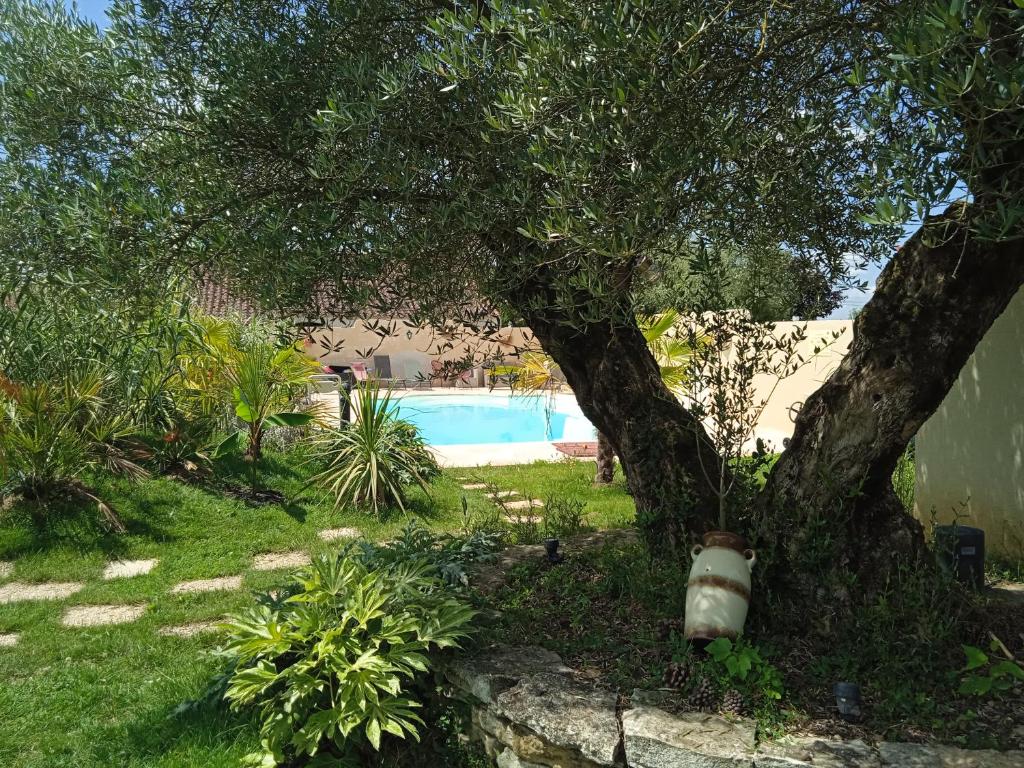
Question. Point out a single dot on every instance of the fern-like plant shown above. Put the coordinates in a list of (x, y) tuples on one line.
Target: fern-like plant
[(53, 434), (331, 666), (371, 461)]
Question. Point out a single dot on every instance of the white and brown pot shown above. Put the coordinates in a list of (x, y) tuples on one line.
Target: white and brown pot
[(718, 591)]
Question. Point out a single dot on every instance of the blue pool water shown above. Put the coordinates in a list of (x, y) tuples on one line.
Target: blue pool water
[(453, 419)]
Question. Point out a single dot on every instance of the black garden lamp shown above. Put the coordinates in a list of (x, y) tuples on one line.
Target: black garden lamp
[(848, 701), (551, 547)]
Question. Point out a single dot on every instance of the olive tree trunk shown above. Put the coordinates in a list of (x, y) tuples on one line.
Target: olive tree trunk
[(828, 509), (619, 388), (605, 461)]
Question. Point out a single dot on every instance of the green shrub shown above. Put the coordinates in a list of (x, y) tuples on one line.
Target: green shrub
[(564, 517), (330, 667), (450, 555), (372, 460), (52, 435)]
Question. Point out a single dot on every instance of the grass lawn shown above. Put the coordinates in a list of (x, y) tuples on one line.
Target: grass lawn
[(108, 695)]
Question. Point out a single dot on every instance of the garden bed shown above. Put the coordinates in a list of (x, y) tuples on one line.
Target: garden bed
[(613, 615)]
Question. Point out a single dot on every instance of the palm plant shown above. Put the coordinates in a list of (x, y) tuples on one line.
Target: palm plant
[(264, 382), (51, 436), (371, 461)]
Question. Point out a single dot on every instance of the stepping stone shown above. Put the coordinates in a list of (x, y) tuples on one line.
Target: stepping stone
[(207, 585), (474, 486), (333, 534), (523, 504), (523, 519), (124, 569), (272, 561), (8, 639), (502, 494), (99, 615), (6, 569), (189, 630), (16, 591)]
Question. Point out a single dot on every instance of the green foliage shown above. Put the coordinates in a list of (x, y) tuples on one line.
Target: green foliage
[(450, 554), (372, 460), (53, 434), (264, 381), (564, 516), (903, 479), (742, 666), (988, 676), (952, 82), (332, 666)]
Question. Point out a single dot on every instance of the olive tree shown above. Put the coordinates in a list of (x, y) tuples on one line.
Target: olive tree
[(529, 159)]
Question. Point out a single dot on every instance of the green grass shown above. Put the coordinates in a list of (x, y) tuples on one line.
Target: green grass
[(108, 696)]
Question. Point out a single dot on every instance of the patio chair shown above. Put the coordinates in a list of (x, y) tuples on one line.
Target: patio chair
[(439, 373), (359, 372)]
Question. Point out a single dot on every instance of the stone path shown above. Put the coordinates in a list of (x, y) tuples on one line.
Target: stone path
[(99, 615), (333, 534), (16, 591), (125, 569), (207, 585), (501, 494), (189, 630), (523, 504), (474, 486), (272, 561), (523, 519)]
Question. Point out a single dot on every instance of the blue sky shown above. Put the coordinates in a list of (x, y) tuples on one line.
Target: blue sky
[(95, 10), (854, 300)]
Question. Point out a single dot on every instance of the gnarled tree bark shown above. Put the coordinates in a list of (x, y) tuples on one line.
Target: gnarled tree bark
[(619, 388), (605, 461), (828, 506)]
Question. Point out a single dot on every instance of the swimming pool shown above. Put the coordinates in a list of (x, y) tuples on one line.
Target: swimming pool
[(494, 417)]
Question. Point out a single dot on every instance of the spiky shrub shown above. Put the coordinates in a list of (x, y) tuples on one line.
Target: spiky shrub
[(331, 668), (53, 434), (370, 462)]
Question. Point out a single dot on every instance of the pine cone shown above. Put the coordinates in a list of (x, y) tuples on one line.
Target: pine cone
[(733, 703), (703, 696), (667, 626), (676, 674)]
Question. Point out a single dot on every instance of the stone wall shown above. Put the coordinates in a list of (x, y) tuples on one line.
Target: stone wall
[(529, 710)]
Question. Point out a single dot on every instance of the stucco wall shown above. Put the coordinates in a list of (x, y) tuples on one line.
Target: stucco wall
[(411, 349), (971, 451)]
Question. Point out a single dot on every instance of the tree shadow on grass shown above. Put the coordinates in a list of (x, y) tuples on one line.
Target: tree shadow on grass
[(191, 727), (66, 523)]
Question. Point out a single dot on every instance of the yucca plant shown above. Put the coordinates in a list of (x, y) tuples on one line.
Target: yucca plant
[(52, 435), (331, 666), (371, 461)]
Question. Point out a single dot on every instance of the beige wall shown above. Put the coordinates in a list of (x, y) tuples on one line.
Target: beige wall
[(411, 349), (776, 422), (971, 450)]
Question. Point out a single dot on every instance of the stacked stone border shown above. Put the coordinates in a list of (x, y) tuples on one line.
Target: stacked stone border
[(529, 710)]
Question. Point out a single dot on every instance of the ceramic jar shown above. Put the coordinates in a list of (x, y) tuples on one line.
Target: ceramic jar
[(718, 590)]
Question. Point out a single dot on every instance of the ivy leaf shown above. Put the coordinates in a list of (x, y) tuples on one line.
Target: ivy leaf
[(976, 685), (975, 657)]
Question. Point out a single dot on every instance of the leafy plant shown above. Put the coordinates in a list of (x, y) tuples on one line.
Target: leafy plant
[(264, 381), (988, 676), (371, 461), (450, 555), (563, 516), (52, 435), (728, 354), (330, 668), (742, 666)]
